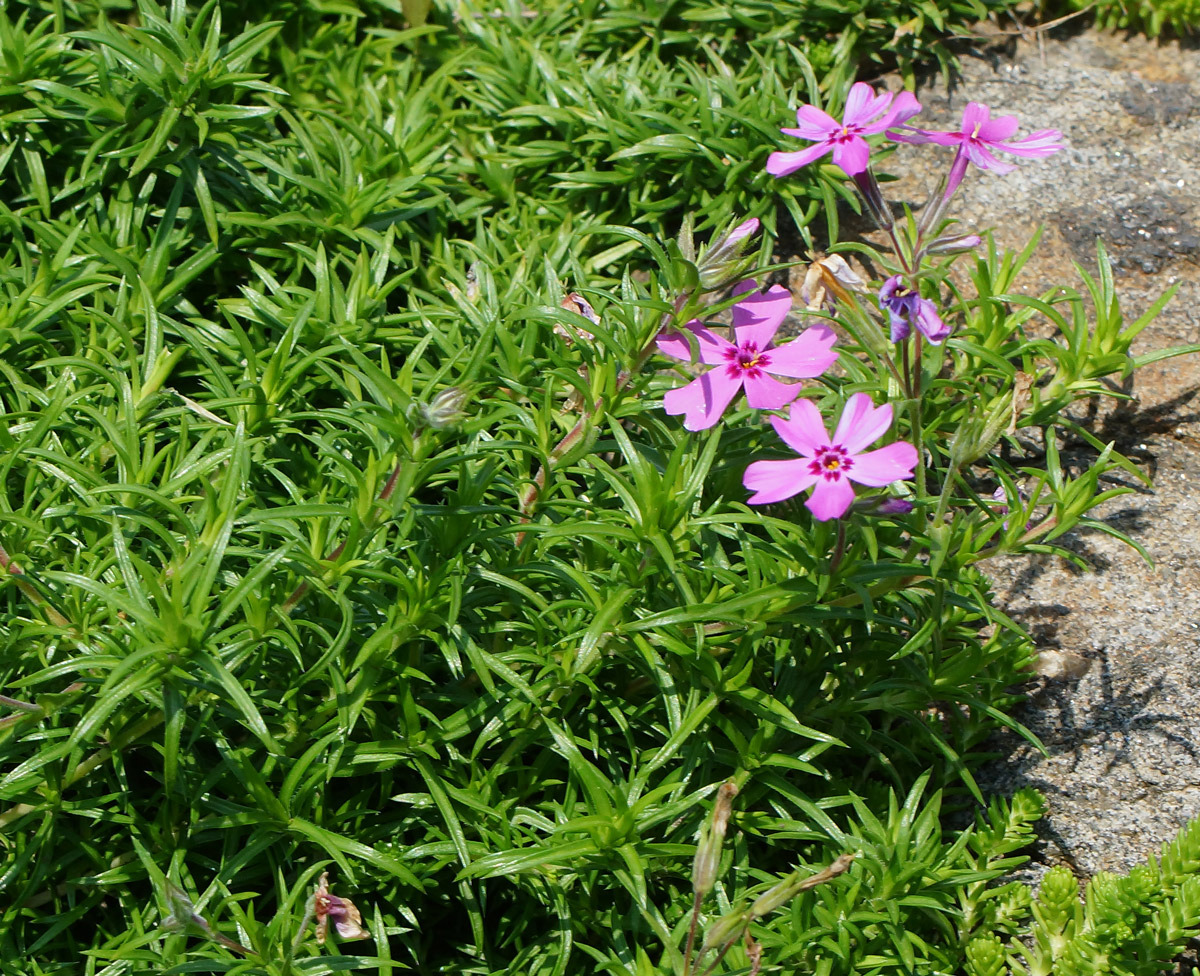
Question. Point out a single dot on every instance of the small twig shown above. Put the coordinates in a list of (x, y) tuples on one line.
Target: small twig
[(1022, 31)]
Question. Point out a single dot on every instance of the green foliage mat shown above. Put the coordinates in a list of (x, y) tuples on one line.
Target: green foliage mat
[(277, 603)]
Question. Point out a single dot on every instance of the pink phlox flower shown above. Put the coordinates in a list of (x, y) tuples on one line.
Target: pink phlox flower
[(749, 361), (977, 136), (906, 308), (828, 464), (866, 114)]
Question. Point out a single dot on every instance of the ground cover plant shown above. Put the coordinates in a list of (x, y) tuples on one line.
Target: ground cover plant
[(406, 569)]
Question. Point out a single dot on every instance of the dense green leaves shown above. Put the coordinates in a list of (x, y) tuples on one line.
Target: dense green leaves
[(323, 548)]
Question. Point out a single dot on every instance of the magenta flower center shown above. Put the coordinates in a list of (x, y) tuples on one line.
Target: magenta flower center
[(747, 360), (831, 462), (847, 133)]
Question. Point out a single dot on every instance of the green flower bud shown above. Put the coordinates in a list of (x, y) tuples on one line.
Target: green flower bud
[(708, 853), (444, 410)]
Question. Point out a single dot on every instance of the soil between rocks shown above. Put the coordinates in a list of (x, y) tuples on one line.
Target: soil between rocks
[(1117, 702)]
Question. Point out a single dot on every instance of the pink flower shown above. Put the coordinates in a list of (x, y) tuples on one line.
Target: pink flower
[(978, 135), (748, 361), (829, 464), (866, 114)]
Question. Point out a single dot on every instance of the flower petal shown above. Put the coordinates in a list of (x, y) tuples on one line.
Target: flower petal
[(830, 499), (852, 156), (979, 155), (1035, 145), (861, 423), (773, 481), (763, 392), (878, 468), (911, 135), (930, 323), (808, 355), (814, 123), (803, 430), (997, 130), (711, 347), (975, 114), (902, 109), (743, 230), (757, 317), (783, 163), (704, 399), (863, 105)]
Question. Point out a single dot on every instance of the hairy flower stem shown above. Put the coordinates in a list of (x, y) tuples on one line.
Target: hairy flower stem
[(839, 548), (918, 429), (721, 954), (691, 939)]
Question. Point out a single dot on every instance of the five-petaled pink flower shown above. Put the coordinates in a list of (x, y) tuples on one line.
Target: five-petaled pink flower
[(829, 464), (977, 136), (866, 114), (747, 361)]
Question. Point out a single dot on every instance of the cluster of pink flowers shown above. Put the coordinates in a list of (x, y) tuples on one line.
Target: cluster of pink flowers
[(751, 361), (867, 114), (827, 464)]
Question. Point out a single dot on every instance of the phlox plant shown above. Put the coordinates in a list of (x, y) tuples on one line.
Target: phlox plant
[(413, 560)]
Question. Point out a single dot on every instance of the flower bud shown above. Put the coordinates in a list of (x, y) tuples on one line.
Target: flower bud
[(775, 897), (445, 409), (708, 853), (722, 262), (978, 433), (882, 505), (955, 244), (879, 209), (731, 245), (781, 893), (725, 929)]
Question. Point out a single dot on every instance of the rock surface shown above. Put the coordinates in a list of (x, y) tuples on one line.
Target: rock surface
[(1118, 701)]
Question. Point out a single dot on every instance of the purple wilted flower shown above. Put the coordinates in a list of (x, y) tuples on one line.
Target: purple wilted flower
[(906, 308), (866, 114), (977, 136), (829, 464), (748, 361), (347, 919)]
